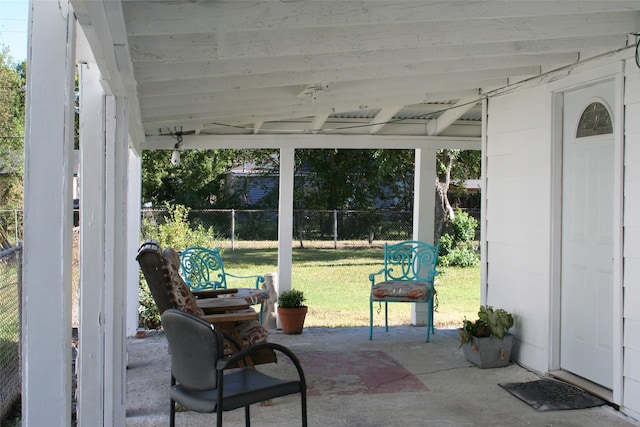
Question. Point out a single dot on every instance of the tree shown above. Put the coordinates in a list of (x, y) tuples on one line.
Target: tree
[(454, 166), (197, 182), (194, 182), (365, 179), (345, 179), (353, 179), (12, 113)]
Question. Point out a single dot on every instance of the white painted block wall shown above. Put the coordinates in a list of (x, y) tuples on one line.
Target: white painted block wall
[(518, 218), (631, 251)]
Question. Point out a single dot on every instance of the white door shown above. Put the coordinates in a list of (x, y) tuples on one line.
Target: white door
[(587, 235)]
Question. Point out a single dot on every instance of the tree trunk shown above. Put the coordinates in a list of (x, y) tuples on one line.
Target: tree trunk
[(445, 213)]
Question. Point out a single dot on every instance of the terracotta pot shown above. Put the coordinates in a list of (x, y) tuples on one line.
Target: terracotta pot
[(292, 319)]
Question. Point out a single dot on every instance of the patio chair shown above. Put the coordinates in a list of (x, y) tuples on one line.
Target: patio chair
[(202, 379), (203, 271), (408, 275), (170, 292)]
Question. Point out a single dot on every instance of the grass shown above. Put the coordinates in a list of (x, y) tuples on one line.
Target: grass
[(336, 285)]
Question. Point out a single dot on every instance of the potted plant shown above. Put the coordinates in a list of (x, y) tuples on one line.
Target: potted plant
[(291, 311), (485, 342)]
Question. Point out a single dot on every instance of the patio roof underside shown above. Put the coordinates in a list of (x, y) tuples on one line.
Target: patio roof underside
[(387, 67)]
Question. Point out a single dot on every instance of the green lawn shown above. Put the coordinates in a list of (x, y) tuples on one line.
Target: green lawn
[(336, 285)]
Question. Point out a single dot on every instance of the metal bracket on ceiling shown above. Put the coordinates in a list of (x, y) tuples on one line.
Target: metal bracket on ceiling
[(312, 91)]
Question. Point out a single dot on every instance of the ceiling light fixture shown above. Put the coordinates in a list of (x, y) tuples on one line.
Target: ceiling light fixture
[(175, 155)]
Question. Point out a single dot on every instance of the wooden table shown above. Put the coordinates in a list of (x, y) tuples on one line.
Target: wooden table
[(222, 305)]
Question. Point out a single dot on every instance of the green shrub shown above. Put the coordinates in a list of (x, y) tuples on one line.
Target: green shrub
[(464, 256), (464, 227), (456, 246), (176, 232), (148, 315), (446, 243)]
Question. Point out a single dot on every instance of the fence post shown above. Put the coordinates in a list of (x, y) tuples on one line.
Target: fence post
[(15, 221), (335, 229), (233, 229)]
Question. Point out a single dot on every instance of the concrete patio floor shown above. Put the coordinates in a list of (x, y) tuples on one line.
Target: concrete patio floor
[(447, 390)]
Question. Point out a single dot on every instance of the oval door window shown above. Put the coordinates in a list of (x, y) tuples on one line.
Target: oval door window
[(595, 120)]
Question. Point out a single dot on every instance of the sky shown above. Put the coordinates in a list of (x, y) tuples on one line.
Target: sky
[(13, 27)]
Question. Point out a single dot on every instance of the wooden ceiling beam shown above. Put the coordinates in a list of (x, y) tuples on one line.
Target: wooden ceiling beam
[(317, 41), (202, 17), (480, 68), (346, 70), (339, 98), (438, 125)]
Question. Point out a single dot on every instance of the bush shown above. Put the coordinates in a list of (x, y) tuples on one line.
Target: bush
[(148, 315), (464, 256), (456, 246), (446, 244), (464, 227), (176, 232)]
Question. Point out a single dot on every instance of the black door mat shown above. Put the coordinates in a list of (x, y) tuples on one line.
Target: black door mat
[(552, 395)]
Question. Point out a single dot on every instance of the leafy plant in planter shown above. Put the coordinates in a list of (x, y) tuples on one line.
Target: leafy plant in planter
[(291, 311), (485, 341)]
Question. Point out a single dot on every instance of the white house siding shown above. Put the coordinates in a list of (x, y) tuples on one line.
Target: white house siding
[(517, 218), (518, 227), (631, 277)]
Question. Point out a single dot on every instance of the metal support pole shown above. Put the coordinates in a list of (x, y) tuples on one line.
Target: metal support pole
[(233, 229), (335, 229)]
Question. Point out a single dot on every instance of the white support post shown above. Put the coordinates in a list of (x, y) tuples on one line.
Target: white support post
[(48, 216), (423, 212), (103, 267), (133, 239), (92, 237), (115, 261), (484, 290), (285, 220)]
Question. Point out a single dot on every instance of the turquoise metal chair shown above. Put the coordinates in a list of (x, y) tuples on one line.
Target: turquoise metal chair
[(408, 276), (203, 271)]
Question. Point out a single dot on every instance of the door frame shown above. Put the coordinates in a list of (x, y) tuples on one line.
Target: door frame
[(612, 72)]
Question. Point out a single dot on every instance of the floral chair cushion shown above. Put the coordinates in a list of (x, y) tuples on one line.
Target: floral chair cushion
[(401, 291), (183, 297), (251, 332)]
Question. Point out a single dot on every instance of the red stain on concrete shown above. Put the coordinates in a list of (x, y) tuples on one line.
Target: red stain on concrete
[(345, 373)]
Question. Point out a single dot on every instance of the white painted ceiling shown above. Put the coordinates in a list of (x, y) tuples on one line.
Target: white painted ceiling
[(336, 66)]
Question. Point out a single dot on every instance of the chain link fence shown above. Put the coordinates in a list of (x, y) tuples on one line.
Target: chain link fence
[(10, 228), (326, 228), (313, 227), (10, 326)]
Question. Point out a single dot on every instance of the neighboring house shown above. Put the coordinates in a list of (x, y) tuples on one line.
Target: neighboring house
[(252, 184)]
